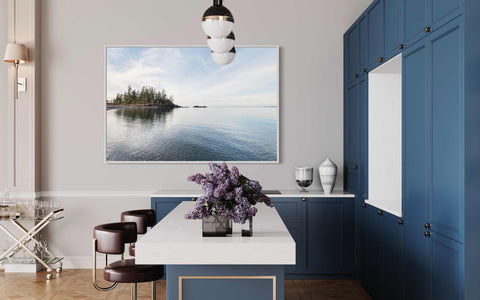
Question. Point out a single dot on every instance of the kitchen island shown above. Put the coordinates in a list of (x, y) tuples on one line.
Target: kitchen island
[(232, 267)]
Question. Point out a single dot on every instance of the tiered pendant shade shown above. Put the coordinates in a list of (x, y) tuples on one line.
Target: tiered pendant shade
[(224, 58), (221, 45), (217, 21)]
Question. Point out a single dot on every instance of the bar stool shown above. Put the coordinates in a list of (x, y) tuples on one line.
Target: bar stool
[(143, 217), (111, 239)]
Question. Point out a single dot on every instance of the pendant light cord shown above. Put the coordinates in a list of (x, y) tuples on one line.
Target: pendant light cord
[(14, 20)]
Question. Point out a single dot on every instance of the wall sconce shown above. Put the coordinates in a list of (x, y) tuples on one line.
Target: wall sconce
[(16, 54)]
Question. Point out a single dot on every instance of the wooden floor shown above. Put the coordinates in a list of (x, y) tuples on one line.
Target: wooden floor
[(75, 284)]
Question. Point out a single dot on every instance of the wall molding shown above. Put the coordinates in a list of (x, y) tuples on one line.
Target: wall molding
[(95, 194), (77, 194)]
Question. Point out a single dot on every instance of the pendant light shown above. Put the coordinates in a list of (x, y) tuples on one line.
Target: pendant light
[(224, 58), (217, 21), (15, 53), (221, 45)]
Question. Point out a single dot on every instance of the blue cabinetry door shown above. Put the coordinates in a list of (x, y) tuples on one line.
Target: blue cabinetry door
[(415, 20), (376, 34), (363, 28), (291, 210), (446, 269), (163, 206), (363, 245), (446, 71), (330, 236), (374, 260), (394, 27), (353, 57), (352, 138), (442, 11), (363, 136), (393, 258), (416, 154)]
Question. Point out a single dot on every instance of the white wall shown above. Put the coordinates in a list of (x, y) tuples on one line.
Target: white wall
[(309, 32), (3, 95), (74, 33)]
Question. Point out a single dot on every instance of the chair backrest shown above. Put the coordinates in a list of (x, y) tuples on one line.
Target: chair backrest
[(112, 237), (143, 217)]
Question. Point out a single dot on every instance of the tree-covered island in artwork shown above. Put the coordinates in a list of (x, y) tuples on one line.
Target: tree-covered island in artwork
[(174, 104)]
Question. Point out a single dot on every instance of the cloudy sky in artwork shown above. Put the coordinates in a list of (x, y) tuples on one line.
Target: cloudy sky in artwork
[(191, 76)]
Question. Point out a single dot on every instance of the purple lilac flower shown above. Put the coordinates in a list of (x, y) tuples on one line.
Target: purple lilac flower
[(227, 193)]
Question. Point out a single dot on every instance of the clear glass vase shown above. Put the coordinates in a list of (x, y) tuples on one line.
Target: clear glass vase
[(247, 227), (214, 225)]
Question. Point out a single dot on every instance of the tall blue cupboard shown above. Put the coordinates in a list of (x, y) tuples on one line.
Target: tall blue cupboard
[(433, 250)]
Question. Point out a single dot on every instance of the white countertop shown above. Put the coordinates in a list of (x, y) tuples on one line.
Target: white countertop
[(177, 241), (283, 193)]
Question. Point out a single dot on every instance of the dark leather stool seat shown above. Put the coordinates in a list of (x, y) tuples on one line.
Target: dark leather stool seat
[(111, 239), (143, 217), (126, 271)]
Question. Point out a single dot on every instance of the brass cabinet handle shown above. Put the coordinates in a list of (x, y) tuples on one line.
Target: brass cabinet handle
[(400, 46), (380, 59), (352, 166), (304, 199), (380, 212), (427, 29), (427, 234), (400, 221), (355, 75), (364, 70), (427, 225), (364, 205), (194, 199)]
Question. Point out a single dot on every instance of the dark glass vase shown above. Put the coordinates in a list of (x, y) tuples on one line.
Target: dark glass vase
[(214, 225), (247, 227)]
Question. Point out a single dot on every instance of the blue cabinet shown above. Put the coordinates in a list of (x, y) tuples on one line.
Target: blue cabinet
[(323, 231), (329, 236), (363, 29), (382, 265), (393, 275), (440, 12), (425, 16), (353, 50), (446, 204), (446, 268), (363, 137), (374, 247), (394, 27), (415, 172), (352, 137), (163, 206), (376, 34), (415, 20), (292, 212), (434, 254)]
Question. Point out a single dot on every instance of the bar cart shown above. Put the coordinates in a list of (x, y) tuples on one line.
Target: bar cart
[(23, 241)]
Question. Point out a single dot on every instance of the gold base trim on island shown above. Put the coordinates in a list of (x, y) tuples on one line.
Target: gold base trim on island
[(181, 278)]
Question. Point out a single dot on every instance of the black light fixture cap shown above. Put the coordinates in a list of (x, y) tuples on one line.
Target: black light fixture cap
[(218, 10)]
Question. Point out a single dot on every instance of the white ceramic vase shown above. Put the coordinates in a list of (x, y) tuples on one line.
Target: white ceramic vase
[(328, 175)]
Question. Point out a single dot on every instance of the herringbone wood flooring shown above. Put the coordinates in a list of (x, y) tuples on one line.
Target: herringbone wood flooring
[(75, 284)]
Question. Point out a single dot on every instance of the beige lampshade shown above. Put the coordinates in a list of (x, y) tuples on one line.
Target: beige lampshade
[(16, 53)]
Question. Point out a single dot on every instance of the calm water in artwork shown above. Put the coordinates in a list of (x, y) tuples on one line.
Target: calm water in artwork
[(192, 134)]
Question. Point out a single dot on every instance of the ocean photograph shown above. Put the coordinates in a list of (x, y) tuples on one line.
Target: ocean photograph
[(174, 104)]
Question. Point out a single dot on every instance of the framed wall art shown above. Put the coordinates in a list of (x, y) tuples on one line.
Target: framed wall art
[(176, 105)]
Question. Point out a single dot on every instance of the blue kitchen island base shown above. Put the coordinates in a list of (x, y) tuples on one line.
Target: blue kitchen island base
[(220, 282)]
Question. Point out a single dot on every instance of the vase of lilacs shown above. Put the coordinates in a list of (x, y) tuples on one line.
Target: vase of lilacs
[(228, 196)]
